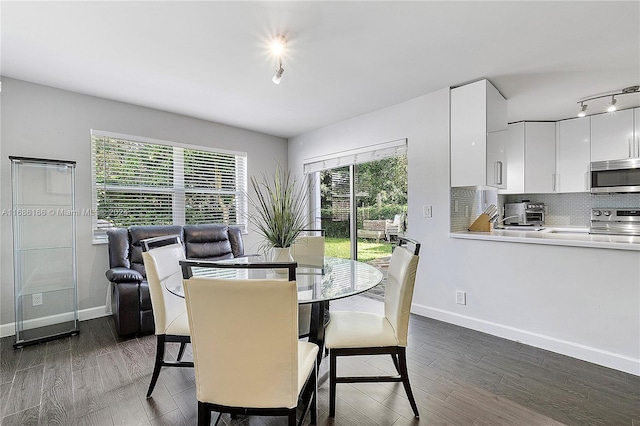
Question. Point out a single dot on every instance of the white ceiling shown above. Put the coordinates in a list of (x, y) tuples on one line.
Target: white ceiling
[(209, 59)]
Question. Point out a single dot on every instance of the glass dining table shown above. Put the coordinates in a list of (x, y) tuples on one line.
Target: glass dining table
[(317, 285)]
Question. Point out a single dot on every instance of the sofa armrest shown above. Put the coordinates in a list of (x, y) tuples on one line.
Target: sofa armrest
[(120, 275)]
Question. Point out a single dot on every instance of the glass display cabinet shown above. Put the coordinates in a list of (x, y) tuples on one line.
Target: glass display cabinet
[(44, 249)]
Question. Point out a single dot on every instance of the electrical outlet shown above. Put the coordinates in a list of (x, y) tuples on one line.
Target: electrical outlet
[(461, 297), (36, 299)]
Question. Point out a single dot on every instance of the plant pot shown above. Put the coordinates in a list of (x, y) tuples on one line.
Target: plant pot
[(281, 254)]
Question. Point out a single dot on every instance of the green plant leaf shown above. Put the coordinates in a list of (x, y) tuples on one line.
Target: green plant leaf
[(280, 207)]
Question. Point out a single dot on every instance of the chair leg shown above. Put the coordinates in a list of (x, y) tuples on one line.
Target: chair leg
[(309, 398), (183, 345), (404, 373), (332, 384), (314, 401), (158, 364), (395, 362), (292, 417), (204, 414)]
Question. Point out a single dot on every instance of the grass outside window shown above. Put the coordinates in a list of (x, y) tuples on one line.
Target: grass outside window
[(367, 249)]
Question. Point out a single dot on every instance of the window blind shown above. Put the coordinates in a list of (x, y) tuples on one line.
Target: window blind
[(138, 181), (357, 156)]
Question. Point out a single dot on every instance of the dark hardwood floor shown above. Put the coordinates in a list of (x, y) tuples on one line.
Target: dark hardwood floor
[(459, 377)]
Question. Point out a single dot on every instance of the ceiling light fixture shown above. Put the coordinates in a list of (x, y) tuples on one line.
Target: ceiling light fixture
[(277, 48), (278, 75), (583, 111), (613, 105)]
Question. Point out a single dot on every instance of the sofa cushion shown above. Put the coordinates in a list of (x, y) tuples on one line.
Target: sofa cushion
[(118, 248), (141, 232), (207, 242)]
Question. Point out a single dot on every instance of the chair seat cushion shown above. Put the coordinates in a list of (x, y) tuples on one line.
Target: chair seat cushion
[(359, 330), (307, 353), (179, 326)]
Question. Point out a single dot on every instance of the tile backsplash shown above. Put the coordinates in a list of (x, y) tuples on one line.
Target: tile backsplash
[(468, 200), (571, 209)]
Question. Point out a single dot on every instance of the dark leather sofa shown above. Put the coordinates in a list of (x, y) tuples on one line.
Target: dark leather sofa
[(130, 300)]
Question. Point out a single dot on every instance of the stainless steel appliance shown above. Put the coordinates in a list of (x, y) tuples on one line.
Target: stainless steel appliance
[(615, 176), (524, 213), (615, 221)]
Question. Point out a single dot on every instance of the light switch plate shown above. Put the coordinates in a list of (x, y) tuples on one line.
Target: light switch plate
[(427, 211)]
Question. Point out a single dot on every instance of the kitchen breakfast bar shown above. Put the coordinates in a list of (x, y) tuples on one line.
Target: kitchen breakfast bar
[(559, 236)]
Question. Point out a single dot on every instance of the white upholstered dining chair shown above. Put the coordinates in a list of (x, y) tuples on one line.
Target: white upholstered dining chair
[(248, 359), (308, 249), (162, 256), (362, 333)]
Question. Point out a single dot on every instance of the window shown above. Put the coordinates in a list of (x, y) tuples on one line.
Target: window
[(138, 181)]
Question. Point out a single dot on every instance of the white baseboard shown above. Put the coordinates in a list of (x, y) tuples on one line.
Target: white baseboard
[(83, 315), (564, 347)]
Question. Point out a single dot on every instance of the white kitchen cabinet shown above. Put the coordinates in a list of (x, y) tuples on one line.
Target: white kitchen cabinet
[(612, 136), (532, 148), (496, 159), (540, 157), (573, 155), (515, 159), (478, 136)]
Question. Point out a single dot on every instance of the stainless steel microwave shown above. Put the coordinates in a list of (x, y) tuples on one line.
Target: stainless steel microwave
[(615, 176)]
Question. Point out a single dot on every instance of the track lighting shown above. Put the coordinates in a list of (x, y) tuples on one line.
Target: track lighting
[(278, 75), (583, 111), (613, 105), (277, 48)]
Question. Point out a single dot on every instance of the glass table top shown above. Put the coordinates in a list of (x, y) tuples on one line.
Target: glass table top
[(336, 279)]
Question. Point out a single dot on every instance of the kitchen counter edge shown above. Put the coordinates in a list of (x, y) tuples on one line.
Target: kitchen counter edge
[(616, 242)]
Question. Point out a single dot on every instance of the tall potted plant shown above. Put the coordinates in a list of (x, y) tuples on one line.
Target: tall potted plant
[(280, 206)]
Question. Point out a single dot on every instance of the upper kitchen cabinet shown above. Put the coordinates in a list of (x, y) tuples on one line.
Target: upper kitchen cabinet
[(515, 159), (612, 136), (540, 157), (531, 158), (478, 136), (573, 155)]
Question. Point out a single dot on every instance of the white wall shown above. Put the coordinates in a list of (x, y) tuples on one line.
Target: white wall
[(39, 121), (582, 302)]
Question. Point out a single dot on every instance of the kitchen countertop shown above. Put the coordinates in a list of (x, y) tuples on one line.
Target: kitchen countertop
[(563, 236)]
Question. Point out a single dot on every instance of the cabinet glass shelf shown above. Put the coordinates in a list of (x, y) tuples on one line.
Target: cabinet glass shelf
[(44, 249)]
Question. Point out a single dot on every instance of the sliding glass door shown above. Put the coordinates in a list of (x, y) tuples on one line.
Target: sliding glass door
[(362, 206), (381, 204), (336, 212)]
